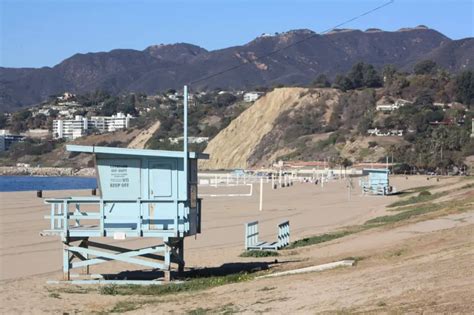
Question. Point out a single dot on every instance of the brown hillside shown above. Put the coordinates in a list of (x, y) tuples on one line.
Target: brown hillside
[(237, 145)]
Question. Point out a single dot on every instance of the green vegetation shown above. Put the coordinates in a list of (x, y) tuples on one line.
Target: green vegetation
[(415, 190), (361, 75), (313, 240), (30, 147), (425, 67), (259, 253), (321, 81), (211, 113), (125, 306), (225, 309), (165, 289), (405, 214), (54, 295), (423, 196), (199, 311)]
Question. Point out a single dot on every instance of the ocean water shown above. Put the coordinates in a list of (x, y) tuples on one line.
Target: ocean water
[(25, 183)]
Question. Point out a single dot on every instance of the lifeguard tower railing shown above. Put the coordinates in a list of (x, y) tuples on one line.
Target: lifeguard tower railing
[(68, 220)]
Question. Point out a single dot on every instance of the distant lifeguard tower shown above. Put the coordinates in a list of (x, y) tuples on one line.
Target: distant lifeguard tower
[(376, 182), (143, 194)]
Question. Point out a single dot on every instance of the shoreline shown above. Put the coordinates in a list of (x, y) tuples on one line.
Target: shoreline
[(46, 171)]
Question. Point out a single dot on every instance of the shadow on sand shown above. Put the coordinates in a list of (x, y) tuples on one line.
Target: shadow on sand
[(220, 271)]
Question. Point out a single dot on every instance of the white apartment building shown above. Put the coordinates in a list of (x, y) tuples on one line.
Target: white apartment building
[(71, 129)]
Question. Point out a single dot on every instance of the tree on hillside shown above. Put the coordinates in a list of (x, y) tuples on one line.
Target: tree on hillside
[(19, 121), (364, 75), (388, 73), (342, 82), (110, 106), (321, 81), (425, 67), (225, 99), (464, 88), (424, 100)]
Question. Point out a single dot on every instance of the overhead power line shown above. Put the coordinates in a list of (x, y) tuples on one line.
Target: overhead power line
[(292, 44)]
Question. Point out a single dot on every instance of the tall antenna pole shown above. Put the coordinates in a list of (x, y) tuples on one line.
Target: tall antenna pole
[(185, 135)]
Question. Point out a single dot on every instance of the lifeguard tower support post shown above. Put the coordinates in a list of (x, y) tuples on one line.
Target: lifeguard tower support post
[(143, 193), (377, 182)]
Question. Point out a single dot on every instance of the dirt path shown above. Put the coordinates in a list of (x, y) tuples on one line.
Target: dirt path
[(426, 266), (142, 138)]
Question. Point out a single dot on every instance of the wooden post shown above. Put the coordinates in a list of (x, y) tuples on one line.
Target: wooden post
[(85, 244), (66, 265), (181, 256)]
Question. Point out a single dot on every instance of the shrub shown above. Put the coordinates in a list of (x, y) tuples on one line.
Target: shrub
[(259, 253)]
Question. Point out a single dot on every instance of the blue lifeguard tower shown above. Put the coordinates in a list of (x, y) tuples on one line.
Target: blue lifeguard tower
[(143, 194), (377, 182)]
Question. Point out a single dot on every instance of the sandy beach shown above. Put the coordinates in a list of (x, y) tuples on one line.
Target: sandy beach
[(28, 260)]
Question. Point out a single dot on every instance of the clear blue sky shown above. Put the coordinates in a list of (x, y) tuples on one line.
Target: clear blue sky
[(36, 33)]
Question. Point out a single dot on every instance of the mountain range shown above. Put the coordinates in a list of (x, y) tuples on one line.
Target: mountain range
[(160, 67)]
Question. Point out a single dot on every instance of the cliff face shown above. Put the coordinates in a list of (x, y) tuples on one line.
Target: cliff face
[(247, 141)]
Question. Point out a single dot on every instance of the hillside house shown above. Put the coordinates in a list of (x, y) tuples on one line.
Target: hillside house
[(196, 140), (391, 107), (252, 96)]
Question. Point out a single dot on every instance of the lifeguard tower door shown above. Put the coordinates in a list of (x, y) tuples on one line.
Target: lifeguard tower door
[(163, 187)]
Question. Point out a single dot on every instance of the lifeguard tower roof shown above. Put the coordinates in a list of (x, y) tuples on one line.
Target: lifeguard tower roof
[(135, 152), (368, 171)]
